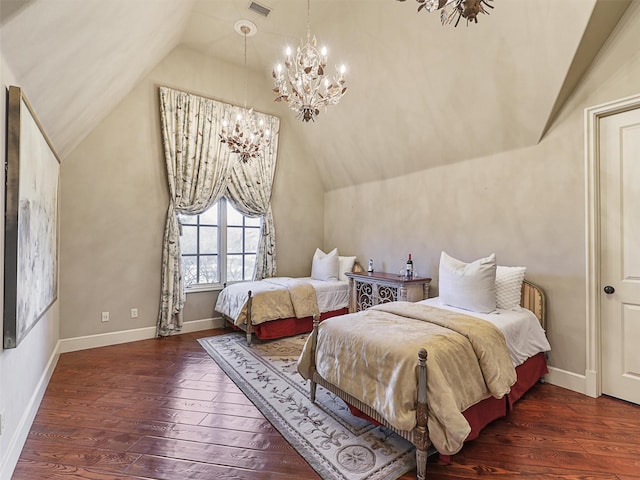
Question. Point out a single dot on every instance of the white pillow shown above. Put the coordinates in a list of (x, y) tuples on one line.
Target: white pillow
[(324, 266), (509, 287), (471, 286), (345, 264)]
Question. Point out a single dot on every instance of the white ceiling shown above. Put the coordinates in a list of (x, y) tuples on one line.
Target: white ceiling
[(420, 94)]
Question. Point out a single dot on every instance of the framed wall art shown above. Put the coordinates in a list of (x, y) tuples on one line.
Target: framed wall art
[(31, 221)]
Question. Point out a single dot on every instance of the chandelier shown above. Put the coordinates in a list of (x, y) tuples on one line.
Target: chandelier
[(468, 9), (303, 84), (247, 137)]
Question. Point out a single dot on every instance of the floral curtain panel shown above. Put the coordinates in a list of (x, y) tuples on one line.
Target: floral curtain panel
[(249, 191), (200, 170)]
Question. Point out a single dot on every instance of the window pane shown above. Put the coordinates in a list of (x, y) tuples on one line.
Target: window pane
[(252, 222), (189, 270), (251, 238), (234, 239), (208, 269), (249, 266), (200, 244), (234, 217), (234, 268), (208, 240), (210, 216), (188, 241)]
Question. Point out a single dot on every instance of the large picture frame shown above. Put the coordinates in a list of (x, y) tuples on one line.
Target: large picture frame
[(31, 221)]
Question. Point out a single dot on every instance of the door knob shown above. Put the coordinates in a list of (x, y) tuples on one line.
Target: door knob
[(609, 289)]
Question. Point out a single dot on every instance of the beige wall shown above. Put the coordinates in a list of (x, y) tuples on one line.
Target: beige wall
[(25, 370), (114, 200), (527, 205)]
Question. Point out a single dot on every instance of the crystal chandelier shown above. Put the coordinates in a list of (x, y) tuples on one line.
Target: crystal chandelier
[(468, 9), (304, 85), (247, 137)]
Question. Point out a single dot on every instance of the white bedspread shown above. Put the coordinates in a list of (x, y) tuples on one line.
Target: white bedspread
[(521, 329)]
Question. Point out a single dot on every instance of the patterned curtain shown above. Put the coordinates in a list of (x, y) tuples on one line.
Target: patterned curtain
[(249, 191), (198, 167), (200, 170)]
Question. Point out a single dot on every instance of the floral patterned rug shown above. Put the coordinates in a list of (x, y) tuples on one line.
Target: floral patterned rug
[(336, 444)]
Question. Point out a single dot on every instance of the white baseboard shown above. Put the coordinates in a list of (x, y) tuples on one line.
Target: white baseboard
[(592, 383), (125, 336), (568, 380), (16, 443), (204, 324)]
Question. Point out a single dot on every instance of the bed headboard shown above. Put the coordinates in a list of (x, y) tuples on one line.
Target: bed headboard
[(533, 299)]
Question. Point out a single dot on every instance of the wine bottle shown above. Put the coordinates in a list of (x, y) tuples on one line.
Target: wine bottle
[(409, 268)]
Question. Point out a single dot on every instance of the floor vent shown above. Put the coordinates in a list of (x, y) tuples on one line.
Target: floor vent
[(259, 9)]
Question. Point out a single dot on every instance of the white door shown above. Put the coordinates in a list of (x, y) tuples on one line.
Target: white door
[(620, 254)]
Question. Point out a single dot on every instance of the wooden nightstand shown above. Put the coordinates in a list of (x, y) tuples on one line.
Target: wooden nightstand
[(368, 289)]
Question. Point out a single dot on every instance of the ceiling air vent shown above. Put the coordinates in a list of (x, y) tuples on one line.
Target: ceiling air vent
[(259, 9)]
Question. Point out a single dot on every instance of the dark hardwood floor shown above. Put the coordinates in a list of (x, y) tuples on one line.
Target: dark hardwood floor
[(162, 409)]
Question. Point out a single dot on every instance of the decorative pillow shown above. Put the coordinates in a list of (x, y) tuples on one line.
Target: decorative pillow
[(471, 286), (509, 286), (345, 264), (324, 266)]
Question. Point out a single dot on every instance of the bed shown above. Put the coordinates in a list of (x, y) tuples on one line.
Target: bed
[(285, 306), (383, 376), (281, 306)]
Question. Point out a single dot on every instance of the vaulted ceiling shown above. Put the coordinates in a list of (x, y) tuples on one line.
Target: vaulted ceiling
[(419, 94)]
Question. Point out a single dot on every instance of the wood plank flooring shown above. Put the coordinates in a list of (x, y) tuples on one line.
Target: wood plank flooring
[(162, 409)]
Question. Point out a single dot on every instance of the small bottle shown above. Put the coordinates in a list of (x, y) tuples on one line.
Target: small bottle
[(370, 268), (409, 267)]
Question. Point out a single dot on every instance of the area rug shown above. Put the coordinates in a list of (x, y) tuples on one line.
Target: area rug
[(337, 445)]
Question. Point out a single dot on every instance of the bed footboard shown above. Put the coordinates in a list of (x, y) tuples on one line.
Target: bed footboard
[(247, 327), (419, 436), (421, 433), (314, 344)]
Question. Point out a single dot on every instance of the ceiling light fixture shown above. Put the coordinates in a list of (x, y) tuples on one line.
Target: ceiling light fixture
[(247, 137), (303, 85), (468, 9)]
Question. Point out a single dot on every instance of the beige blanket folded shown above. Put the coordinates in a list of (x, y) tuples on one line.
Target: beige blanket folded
[(272, 298), (304, 299), (269, 305), (372, 355)]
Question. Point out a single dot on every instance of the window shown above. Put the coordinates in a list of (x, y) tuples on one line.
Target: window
[(218, 246)]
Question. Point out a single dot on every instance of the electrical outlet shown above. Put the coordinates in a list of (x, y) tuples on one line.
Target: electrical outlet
[(1, 422), (134, 313), (105, 316)]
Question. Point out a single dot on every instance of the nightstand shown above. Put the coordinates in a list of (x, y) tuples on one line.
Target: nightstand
[(368, 289)]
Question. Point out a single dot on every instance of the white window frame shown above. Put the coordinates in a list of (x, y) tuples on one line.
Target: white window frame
[(222, 252)]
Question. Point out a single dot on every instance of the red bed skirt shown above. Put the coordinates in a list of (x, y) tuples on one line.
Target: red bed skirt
[(287, 327), (483, 413), (490, 409)]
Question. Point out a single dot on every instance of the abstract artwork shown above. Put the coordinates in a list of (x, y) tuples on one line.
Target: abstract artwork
[(31, 221)]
